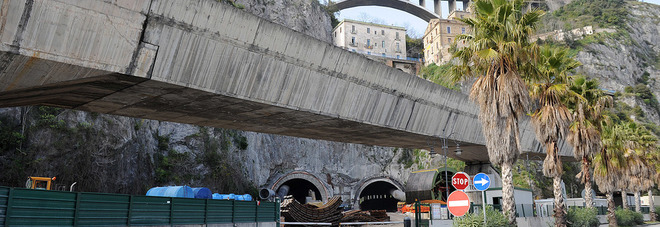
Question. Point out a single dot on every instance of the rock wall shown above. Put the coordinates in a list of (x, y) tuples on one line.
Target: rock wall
[(306, 16)]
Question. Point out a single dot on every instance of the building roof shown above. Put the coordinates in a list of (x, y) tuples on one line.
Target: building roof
[(368, 23)]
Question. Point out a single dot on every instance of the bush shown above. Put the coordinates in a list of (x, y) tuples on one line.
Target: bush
[(495, 218), (628, 217), (582, 216)]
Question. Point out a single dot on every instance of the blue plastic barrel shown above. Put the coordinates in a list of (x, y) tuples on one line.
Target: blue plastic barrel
[(246, 197), (202, 193), (217, 196), (172, 191)]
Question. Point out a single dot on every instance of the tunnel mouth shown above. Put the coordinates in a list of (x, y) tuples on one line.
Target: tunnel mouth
[(377, 196), (300, 189)]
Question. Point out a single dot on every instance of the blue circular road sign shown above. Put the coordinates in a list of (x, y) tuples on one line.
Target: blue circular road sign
[(481, 181)]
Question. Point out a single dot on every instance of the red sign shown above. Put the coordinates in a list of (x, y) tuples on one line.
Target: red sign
[(460, 181), (458, 203)]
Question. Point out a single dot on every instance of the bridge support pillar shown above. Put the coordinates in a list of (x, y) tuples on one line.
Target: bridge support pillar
[(437, 7), (422, 3), (452, 6)]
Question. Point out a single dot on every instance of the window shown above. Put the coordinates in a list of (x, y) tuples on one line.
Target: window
[(353, 40), (382, 32), (339, 29), (463, 30), (397, 35), (383, 44), (368, 30), (353, 29), (449, 40), (368, 42), (335, 34), (448, 30), (353, 50), (384, 55), (397, 47), (369, 52), (397, 56)]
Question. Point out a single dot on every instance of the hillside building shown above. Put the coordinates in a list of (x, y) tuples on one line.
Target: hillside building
[(371, 39), (441, 34)]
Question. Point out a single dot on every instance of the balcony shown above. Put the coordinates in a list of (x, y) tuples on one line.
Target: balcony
[(354, 32), (353, 44), (369, 46)]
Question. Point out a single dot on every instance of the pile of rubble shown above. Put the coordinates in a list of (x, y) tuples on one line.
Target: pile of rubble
[(329, 212), (365, 216)]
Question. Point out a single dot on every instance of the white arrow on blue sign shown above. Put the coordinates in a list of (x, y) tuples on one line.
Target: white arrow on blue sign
[(481, 182)]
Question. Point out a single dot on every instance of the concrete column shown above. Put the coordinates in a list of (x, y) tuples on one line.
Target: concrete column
[(437, 7), (422, 3), (452, 6), (466, 5)]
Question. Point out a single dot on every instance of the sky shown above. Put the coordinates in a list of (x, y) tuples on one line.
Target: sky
[(389, 16)]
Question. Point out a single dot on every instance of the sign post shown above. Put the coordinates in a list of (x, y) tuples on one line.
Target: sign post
[(460, 181), (482, 183), (458, 203)]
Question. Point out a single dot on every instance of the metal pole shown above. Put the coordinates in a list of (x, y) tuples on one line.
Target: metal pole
[(444, 147), (483, 205)]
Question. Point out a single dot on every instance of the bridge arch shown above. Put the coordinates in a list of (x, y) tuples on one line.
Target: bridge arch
[(300, 184), (374, 192), (408, 6)]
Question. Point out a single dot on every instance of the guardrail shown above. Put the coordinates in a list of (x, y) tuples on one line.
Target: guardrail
[(20, 206)]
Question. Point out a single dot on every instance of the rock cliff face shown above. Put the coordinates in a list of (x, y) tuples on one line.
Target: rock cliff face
[(306, 16), (625, 57)]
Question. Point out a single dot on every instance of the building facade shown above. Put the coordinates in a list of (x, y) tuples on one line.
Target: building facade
[(441, 34), (371, 39)]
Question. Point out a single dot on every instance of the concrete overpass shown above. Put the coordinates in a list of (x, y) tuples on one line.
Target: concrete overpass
[(415, 7), (206, 63)]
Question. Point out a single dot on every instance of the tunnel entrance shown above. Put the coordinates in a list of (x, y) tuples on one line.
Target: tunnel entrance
[(439, 189), (378, 196), (300, 189)]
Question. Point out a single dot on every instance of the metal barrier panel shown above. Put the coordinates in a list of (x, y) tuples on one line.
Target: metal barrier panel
[(266, 212), (188, 211), (245, 211), (150, 210), (39, 207), (102, 209), (220, 211), (4, 199)]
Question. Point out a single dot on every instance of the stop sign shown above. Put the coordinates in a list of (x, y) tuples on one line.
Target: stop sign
[(460, 181), (458, 203)]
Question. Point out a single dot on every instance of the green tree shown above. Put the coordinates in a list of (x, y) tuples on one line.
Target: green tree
[(499, 54), (549, 87), (587, 104), (609, 164)]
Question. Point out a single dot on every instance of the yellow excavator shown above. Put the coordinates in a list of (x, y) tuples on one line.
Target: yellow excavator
[(46, 183)]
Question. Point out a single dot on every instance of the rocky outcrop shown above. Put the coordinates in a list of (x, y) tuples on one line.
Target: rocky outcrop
[(306, 16), (623, 57)]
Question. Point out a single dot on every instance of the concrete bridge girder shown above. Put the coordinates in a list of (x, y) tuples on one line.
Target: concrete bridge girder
[(206, 63)]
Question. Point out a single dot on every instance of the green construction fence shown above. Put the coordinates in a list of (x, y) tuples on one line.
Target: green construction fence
[(20, 207)]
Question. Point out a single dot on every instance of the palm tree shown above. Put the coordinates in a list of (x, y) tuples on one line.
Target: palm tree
[(609, 164), (551, 119), (587, 103), (647, 159), (499, 54)]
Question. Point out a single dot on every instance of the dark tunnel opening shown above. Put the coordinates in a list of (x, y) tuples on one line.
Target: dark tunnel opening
[(300, 189), (377, 196)]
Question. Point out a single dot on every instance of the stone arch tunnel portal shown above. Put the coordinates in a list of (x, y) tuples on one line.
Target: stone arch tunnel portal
[(301, 189), (378, 196)]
